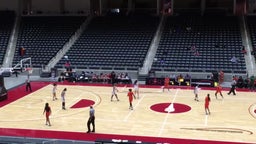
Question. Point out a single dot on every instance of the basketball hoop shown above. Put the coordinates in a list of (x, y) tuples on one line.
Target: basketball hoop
[(29, 70)]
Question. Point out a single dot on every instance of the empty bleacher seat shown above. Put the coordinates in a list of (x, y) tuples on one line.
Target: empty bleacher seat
[(197, 43), (117, 42), (44, 36)]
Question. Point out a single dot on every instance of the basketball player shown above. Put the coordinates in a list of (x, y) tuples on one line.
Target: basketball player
[(114, 90), (47, 112), (54, 92), (206, 104), (196, 91), (28, 85), (166, 83), (63, 93), (131, 96), (218, 90), (136, 88)]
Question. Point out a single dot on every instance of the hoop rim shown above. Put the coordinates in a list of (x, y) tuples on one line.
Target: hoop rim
[(29, 70)]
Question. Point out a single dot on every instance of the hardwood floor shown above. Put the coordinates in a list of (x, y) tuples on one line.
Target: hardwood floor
[(231, 119)]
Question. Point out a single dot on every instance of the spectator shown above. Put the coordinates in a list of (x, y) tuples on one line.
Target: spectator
[(113, 77), (251, 84), (246, 82), (244, 50), (180, 79), (234, 59), (240, 82), (253, 52), (162, 61), (187, 77), (22, 51)]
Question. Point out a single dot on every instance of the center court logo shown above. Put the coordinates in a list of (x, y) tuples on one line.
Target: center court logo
[(171, 108)]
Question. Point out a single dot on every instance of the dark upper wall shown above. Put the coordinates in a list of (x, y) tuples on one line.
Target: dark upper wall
[(56, 6), (46, 6), (9, 5)]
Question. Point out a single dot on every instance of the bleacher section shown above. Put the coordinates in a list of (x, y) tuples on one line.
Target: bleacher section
[(200, 44), (42, 37), (6, 25), (113, 42)]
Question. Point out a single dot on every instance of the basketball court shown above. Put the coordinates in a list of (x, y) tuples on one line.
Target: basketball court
[(232, 119)]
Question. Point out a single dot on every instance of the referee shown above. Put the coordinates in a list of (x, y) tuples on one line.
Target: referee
[(91, 120)]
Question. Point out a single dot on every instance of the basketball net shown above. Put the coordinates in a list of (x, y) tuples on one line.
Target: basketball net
[(29, 70)]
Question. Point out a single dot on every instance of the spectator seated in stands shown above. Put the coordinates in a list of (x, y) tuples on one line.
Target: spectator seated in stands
[(253, 52), (124, 78), (235, 78), (85, 76), (104, 78), (234, 59), (95, 78), (67, 64), (62, 77), (188, 28), (180, 79), (243, 50), (246, 83), (194, 50), (187, 77), (162, 61), (196, 53), (240, 82)]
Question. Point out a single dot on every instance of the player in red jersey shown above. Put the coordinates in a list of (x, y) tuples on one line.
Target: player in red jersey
[(47, 112), (131, 96), (206, 104), (166, 83), (218, 90)]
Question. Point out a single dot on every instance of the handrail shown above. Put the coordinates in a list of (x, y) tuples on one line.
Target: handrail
[(153, 48)]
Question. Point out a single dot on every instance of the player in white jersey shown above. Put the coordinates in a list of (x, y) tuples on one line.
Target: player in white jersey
[(54, 89), (196, 91), (136, 88), (114, 93)]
